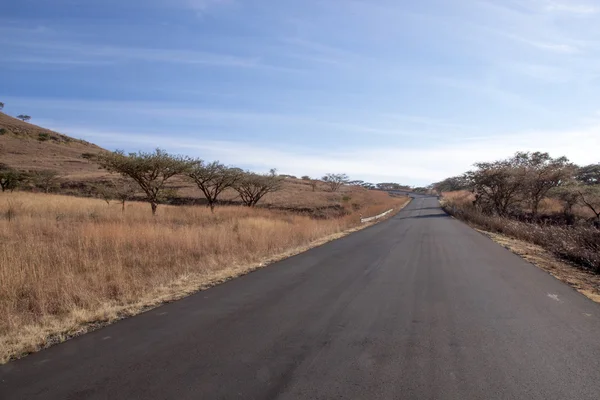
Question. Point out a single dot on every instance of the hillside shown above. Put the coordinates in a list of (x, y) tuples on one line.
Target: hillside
[(26, 146)]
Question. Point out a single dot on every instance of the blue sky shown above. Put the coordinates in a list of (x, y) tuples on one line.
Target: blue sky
[(382, 90)]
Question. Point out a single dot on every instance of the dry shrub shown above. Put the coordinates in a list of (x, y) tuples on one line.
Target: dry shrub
[(67, 261), (578, 244)]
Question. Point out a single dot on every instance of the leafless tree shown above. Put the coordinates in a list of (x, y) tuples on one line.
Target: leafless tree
[(213, 178), (253, 187), (590, 198), (335, 181)]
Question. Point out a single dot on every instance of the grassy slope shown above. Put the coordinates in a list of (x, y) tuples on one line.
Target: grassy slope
[(21, 148)]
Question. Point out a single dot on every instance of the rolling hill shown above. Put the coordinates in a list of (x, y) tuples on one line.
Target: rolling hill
[(29, 147), (25, 146)]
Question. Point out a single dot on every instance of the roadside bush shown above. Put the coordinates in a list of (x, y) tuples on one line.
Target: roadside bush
[(578, 244)]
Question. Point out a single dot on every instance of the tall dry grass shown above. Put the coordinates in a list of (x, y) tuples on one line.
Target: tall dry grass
[(66, 261)]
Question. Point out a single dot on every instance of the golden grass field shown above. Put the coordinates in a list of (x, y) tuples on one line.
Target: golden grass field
[(68, 262)]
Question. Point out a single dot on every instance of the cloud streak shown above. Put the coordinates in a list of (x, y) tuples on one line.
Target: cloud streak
[(571, 8)]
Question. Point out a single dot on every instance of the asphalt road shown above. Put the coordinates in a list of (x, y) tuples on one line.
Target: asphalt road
[(417, 307)]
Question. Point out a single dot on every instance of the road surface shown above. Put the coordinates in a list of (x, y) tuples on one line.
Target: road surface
[(416, 307)]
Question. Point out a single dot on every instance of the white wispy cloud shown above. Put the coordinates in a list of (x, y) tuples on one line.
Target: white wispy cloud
[(542, 45), (202, 6), (490, 91), (70, 53), (392, 126), (572, 8)]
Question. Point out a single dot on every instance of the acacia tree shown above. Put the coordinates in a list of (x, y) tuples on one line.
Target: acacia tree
[(589, 196), (497, 186), (252, 187), (542, 173), (1, 106), (213, 178), (23, 117), (150, 171), (335, 181), (46, 179)]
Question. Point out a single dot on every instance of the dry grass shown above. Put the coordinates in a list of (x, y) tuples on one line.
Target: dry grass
[(68, 263)]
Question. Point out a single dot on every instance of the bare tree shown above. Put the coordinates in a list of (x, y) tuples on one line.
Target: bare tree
[(23, 117), (150, 171), (46, 179), (253, 187), (335, 181), (542, 173), (497, 186), (212, 179), (590, 197)]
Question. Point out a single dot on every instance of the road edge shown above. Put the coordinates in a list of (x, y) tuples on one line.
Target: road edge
[(174, 291)]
